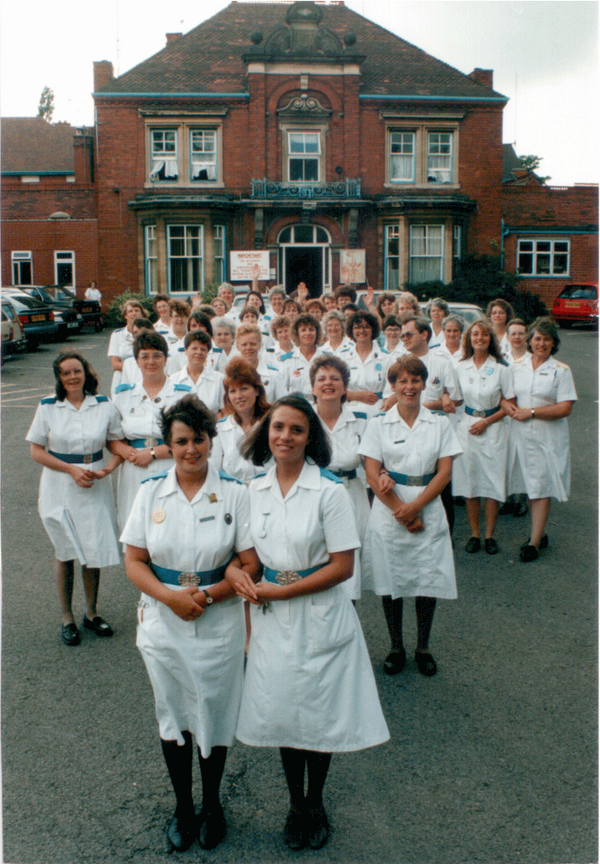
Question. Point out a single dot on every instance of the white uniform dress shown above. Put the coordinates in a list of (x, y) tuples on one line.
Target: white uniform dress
[(295, 369), (208, 387), (309, 682), (345, 438), (438, 341), (395, 561), (345, 345), (481, 469), (272, 380), (81, 523), (225, 454), (541, 460), (196, 667), (371, 374), (121, 346), (140, 420)]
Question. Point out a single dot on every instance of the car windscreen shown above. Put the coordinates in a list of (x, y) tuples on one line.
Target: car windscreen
[(579, 292), (9, 311), (24, 301)]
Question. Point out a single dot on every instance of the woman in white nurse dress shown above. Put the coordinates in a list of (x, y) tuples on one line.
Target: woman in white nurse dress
[(544, 397), (185, 527), (76, 503), (309, 686), (407, 550)]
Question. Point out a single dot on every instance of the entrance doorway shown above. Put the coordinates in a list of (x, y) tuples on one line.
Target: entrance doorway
[(304, 256)]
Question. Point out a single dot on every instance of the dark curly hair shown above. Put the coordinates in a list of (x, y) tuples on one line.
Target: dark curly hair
[(201, 318), (90, 384), (366, 318), (256, 444), (149, 339), (330, 361), (191, 411)]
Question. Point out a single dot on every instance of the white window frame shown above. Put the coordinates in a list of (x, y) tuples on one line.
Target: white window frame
[(151, 259), (165, 159), (403, 155), (304, 156), (288, 128), (189, 236), (181, 160), (220, 260), (431, 236), (392, 234), (425, 132), (538, 253), (439, 157), (18, 258), (205, 158), (64, 256)]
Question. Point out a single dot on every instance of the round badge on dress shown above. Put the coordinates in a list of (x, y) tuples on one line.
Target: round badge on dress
[(158, 515), (228, 519), (157, 400), (489, 370)]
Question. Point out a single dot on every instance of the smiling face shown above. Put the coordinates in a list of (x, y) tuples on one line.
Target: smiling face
[(131, 311), (253, 300), (329, 301), (541, 346), (72, 376), (249, 346), (227, 295), (283, 334), (329, 385), (362, 332), (408, 389), (387, 306), (196, 354), (219, 306), (223, 338), (307, 335), (288, 435), (480, 338), (335, 331), (414, 342), (436, 314), (277, 302), (179, 324), (196, 325), (151, 362), (190, 450), (392, 335), (243, 398), (162, 310), (452, 332), (517, 336)]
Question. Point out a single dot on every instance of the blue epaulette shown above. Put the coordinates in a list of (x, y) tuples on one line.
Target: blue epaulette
[(286, 356), (502, 362), (273, 368), (384, 350), (381, 414), (121, 388), (101, 398), (225, 476), (49, 400), (262, 474), (222, 419), (181, 348), (360, 414), (216, 350), (155, 476), (185, 387), (330, 476), (271, 350)]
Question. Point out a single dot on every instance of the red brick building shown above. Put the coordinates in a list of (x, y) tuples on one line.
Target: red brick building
[(302, 130)]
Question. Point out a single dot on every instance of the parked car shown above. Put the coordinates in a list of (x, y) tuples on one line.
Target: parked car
[(469, 311), (13, 338), (90, 310), (37, 319), (65, 306), (577, 304)]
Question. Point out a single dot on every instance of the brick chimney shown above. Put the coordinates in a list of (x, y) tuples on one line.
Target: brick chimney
[(483, 76), (103, 73), (173, 37)]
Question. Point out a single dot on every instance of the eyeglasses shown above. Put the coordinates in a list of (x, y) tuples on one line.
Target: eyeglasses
[(361, 327), (408, 335)]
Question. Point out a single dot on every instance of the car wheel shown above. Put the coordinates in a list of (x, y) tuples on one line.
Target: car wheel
[(32, 344), (566, 325)]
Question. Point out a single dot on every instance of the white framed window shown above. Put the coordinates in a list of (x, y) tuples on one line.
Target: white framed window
[(304, 151), (392, 258), (543, 257), (185, 254), (203, 155), (164, 155), (220, 254), (402, 157), (426, 253), (22, 268), (439, 157), (151, 259), (64, 269)]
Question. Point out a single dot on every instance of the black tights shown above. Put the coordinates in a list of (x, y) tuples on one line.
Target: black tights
[(294, 762), (425, 609), (179, 763)]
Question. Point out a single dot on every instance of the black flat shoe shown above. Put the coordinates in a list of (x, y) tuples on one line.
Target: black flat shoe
[(317, 827), (528, 553), (543, 542), (212, 828), (491, 547), (98, 626), (425, 663), (506, 509), (520, 510), (70, 635), (394, 662), (180, 832), (293, 830), (473, 544)]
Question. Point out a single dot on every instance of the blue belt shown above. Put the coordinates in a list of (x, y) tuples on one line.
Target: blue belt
[(188, 577), (271, 575), (379, 395), (473, 412), (351, 475), (407, 480), (77, 458), (150, 441)]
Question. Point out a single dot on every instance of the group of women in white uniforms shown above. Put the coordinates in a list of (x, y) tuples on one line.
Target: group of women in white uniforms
[(284, 490)]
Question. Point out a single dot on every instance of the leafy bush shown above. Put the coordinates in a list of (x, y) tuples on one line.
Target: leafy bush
[(114, 318)]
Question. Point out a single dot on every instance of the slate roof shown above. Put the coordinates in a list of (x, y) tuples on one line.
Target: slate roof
[(209, 59), (30, 144)]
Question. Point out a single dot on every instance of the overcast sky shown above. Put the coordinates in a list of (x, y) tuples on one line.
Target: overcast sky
[(544, 57)]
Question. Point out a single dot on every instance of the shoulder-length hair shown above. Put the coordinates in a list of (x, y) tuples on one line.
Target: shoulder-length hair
[(191, 411), (305, 319), (467, 347), (256, 444), (545, 326), (385, 295), (259, 295), (90, 383), (330, 361), (238, 372), (503, 304), (277, 323), (366, 318)]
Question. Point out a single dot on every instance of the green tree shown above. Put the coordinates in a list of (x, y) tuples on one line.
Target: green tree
[(532, 163), (46, 106)]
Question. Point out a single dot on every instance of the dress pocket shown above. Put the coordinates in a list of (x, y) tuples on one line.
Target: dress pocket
[(332, 621)]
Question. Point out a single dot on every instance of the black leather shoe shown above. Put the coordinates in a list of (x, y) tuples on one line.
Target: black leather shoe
[(180, 832), (528, 553), (520, 510), (425, 663), (394, 662), (506, 509), (70, 634), (473, 544), (212, 828), (293, 830), (543, 542), (98, 626), (317, 827), (491, 547)]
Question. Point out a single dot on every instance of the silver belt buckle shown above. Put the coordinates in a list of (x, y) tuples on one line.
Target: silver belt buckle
[(479, 414), (414, 481), (150, 442), (287, 577), (188, 579), (87, 459)]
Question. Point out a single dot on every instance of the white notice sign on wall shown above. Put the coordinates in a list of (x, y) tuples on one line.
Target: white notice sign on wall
[(352, 266), (246, 266)]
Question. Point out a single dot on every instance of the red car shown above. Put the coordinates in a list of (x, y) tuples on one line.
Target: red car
[(577, 304)]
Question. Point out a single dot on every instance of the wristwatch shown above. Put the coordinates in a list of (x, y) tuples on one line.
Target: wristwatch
[(533, 412), (209, 599)]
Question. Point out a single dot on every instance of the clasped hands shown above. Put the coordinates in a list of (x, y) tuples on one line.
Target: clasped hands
[(404, 514)]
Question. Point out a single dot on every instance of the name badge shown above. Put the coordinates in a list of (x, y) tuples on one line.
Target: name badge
[(207, 518)]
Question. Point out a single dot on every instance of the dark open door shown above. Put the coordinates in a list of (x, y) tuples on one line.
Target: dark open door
[(304, 264)]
